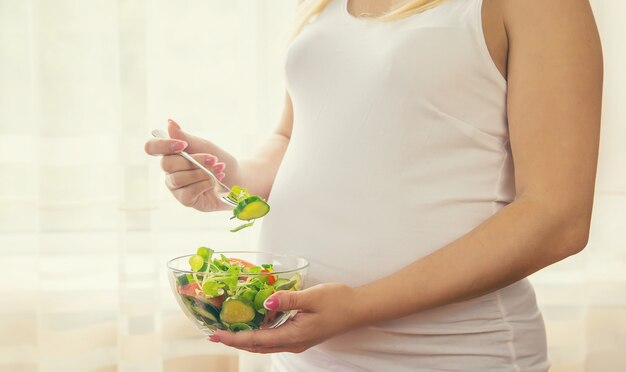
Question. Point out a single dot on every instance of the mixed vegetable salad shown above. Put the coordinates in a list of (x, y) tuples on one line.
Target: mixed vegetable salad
[(249, 207), (228, 293)]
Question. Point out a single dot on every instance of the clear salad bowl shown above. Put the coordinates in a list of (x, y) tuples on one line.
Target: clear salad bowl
[(226, 290)]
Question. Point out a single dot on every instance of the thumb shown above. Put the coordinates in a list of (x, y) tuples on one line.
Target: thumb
[(194, 144), (175, 131), (286, 300)]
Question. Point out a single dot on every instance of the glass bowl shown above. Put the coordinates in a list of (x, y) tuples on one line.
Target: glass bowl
[(233, 300)]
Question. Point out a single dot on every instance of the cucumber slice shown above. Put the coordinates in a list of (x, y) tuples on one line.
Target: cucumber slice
[(205, 314), (220, 326), (285, 286), (298, 279), (188, 302), (261, 296), (280, 281), (238, 327), (237, 310), (195, 310), (251, 208), (206, 310)]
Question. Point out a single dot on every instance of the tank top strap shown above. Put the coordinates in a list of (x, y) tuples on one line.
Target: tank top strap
[(460, 13), (474, 20)]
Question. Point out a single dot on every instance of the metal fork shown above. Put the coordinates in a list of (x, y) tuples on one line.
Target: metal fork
[(221, 191)]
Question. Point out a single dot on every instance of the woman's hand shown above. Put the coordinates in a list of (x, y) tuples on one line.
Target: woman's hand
[(190, 185), (325, 310)]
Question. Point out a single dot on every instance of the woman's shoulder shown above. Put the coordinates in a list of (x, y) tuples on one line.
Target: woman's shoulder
[(540, 16)]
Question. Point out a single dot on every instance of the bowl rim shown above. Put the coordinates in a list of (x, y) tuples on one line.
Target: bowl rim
[(306, 263)]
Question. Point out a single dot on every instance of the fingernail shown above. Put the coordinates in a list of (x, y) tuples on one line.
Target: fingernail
[(214, 338), (210, 160), (219, 167), (174, 123), (271, 303), (178, 146), (220, 176)]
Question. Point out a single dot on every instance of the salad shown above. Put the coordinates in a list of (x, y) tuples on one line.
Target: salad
[(228, 293), (249, 207)]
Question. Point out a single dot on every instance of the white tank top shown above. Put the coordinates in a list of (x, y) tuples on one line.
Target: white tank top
[(400, 146)]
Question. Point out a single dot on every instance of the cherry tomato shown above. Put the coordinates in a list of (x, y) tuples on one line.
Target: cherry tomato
[(190, 289), (215, 301), (193, 290), (240, 262), (271, 279)]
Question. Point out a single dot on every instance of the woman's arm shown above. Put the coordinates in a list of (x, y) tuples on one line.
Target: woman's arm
[(554, 103)]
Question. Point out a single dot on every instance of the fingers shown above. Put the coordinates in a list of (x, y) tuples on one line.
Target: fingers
[(160, 146), (176, 163), (257, 341), (175, 131), (219, 167), (185, 178), (287, 300), (188, 196)]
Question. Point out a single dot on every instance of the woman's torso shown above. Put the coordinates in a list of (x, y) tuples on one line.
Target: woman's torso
[(399, 147)]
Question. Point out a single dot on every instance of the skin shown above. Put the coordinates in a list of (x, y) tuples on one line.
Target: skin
[(550, 54)]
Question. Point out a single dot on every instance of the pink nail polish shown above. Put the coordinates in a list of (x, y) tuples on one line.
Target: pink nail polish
[(219, 167), (209, 160), (179, 146), (214, 338), (271, 303), (220, 176)]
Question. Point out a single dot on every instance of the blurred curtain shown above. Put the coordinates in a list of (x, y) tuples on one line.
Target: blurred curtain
[(583, 298), (86, 225)]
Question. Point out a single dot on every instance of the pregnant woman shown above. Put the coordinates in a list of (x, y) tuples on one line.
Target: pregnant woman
[(431, 155)]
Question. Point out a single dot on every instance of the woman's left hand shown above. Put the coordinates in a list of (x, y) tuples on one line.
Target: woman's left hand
[(324, 310)]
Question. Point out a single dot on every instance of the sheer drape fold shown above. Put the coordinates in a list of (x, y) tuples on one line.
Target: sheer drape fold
[(86, 224)]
